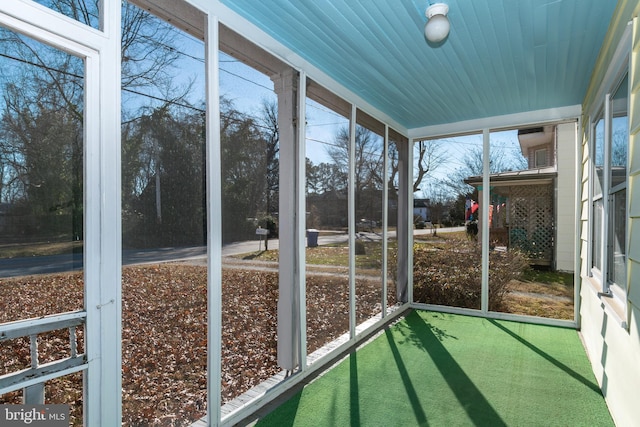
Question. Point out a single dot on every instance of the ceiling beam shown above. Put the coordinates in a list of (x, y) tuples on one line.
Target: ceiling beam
[(250, 54), (508, 121), (179, 13)]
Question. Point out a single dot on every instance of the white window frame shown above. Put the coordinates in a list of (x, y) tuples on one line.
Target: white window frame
[(593, 198), (617, 289), (100, 51), (536, 160), (618, 70)]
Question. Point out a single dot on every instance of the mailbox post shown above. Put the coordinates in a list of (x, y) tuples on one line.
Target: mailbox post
[(263, 232)]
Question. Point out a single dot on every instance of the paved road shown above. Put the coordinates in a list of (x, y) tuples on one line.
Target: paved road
[(439, 230), (255, 245), (23, 266)]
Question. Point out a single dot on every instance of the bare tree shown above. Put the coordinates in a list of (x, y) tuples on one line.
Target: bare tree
[(368, 157), (42, 116), (149, 52), (619, 147), (472, 165), (429, 155), (86, 11), (268, 122), (41, 132)]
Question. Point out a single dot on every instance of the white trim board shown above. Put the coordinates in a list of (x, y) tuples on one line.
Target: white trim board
[(497, 122)]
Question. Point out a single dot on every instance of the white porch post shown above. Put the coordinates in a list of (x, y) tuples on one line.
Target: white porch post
[(289, 329), (404, 227), (352, 222), (385, 218), (214, 224), (301, 215), (33, 395), (484, 225), (103, 232)]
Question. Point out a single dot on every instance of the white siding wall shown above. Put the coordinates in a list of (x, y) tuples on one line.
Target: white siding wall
[(612, 336), (565, 196), (614, 353)]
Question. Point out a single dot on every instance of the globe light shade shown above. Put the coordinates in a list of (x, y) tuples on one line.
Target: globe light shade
[(437, 27)]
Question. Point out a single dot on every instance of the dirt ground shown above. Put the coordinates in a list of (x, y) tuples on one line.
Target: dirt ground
[(540, 299)]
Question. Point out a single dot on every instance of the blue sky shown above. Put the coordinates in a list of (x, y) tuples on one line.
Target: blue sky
[(247, 88)]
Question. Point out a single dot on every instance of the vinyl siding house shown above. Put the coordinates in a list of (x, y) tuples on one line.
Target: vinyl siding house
[(609, 300), (369, 63), (421, 210), (532, 210)]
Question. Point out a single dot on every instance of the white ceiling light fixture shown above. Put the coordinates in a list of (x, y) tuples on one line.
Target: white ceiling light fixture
[(437, 27)]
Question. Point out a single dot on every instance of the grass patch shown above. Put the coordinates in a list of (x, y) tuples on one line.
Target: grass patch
[(333, 255), (549, 277), (550, 289), (542, 293), (17, 250), (430, 237), (540, 306)]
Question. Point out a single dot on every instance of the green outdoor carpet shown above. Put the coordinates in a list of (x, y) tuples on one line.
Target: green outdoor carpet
[(434, 369)]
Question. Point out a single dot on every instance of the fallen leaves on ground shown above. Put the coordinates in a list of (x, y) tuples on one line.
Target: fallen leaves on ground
[(164, 333)]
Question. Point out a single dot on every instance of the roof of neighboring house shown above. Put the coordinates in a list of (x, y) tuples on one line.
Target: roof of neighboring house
[(421, 203), (529, 176), (533, 137)]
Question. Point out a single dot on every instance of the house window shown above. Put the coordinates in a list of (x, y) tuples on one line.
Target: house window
[(610, 136), (541, 158), (86, 12), (617, 187), (596, 197)]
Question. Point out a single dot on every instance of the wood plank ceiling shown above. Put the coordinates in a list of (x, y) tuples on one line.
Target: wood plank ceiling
[(501, 57)]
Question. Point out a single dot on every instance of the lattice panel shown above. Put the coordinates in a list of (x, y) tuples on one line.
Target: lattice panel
[(532, 221)]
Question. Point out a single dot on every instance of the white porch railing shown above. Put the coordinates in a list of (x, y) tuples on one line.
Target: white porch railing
[(32, 379)]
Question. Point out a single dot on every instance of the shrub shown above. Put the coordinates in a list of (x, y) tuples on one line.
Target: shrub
[(450, 273)]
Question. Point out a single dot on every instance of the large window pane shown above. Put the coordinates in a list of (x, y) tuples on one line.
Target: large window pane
[(523, 235), (598, 158), (327, 253), (620, 134), (41, 204), (164, 277), (598, 224), (618, 221), (597, 187), (618, 185), (369, 186), (518, 214), (447, 253), (250, 202), (84, 11), (393, 186)]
